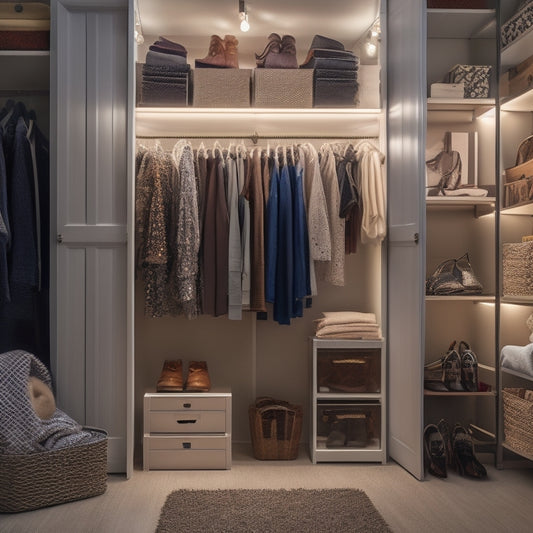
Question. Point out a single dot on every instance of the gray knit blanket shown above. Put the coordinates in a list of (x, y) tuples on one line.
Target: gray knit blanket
[(21, 430)]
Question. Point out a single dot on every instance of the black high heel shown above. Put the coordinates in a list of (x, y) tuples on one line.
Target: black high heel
[(465, 458), (446, 432), (469, 374), (451, 370), (434, 451)]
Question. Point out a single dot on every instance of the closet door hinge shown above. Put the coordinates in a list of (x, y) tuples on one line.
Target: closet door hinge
[(416, 238), (59, 238)]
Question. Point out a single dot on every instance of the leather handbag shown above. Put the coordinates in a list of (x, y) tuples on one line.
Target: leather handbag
[(454, 276), (446, 165)]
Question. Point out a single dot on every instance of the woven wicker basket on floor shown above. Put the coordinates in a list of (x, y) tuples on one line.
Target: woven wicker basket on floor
[(518, 421), (275, 431), (36, 480)]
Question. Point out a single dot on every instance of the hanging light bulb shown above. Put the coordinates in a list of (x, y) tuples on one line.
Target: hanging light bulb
[(243, 16)]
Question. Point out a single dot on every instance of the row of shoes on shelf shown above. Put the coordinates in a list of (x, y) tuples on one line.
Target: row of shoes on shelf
[(456, 371), (446, 449), (279, 53), (171, 378)]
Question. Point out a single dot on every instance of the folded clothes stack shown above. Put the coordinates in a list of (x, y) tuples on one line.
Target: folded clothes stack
[(335, 73), (347, 325), (165, 74)]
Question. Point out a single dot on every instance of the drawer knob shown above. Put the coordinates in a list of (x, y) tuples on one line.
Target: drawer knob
[(187, 405), (186, 421), (186, 445)]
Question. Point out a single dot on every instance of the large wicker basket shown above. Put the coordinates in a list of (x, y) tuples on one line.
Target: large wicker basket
[(518, 421), (36, 480), (275, 430)]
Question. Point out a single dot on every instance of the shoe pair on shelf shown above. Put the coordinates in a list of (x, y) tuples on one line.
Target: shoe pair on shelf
[(280, 52), (171, 378), (445, 449), (223, 53), (457, 371)]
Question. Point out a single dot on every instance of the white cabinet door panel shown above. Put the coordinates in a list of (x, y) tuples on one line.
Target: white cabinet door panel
[(90, 84)]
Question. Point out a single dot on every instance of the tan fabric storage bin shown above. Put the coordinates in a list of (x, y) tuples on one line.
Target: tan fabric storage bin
[(217, 87), (518, 269), (283, 87)]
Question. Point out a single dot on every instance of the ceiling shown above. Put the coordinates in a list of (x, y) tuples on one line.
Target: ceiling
[(192, 22)]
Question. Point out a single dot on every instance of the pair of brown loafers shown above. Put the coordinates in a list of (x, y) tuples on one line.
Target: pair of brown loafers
[(171, 378)]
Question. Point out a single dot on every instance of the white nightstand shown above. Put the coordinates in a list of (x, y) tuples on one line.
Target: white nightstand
[(187, 430)]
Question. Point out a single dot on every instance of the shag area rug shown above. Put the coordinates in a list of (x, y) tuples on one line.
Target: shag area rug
[(269, 511)]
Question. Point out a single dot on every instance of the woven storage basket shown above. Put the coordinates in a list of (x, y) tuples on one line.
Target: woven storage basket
[(283, 87), (518, 420), (36, 480), (518, 268), (275, 431), (221, 87)]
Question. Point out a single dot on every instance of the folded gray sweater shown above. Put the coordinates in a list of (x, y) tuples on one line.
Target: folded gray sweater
[(518, 358)]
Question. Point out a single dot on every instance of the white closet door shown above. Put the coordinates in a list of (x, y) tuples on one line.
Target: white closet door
[(89, 159), (406, 83)]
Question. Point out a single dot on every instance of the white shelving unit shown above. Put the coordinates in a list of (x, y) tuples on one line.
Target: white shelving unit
[(458, 225), (348, 419)]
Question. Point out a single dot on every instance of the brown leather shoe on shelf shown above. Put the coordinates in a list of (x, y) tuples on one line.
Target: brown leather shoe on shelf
[(171, 378), (198, 378)]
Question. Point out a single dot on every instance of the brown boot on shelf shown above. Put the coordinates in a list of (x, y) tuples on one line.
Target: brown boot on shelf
[(232, 55), (198, 378), (171, 378), (216, 57)]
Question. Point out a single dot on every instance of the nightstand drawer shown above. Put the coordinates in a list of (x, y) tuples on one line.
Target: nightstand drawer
[(186, 422), (177, 403), (187, 452)]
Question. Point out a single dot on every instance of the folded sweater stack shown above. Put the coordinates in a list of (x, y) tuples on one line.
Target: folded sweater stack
[(347, 325), (165, 74)]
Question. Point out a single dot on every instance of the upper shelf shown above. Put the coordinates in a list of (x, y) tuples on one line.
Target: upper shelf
[(461, 23), (266, 123), (27, 70), (458, 109), (516, 51), (522, 102)]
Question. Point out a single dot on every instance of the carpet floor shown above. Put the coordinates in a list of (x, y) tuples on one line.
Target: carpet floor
[(266, 511)]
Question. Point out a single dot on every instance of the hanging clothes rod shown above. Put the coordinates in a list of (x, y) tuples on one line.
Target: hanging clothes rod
[(254, 137)]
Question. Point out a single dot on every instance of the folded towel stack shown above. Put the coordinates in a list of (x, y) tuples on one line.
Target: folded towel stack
[(347, 325), (335, 73), (165, 75)]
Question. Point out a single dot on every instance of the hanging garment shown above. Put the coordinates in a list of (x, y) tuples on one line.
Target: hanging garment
[(253, 192), (157, 168), (374, 223), (185, 243), (350, 195), (235, 245), (5, 232), (301, 275), (244, 224), (23, 259), (332, 271), (317, 212), (216, 238)]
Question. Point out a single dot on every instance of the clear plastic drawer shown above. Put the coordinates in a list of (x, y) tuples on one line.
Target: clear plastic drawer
[(356, 370)]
